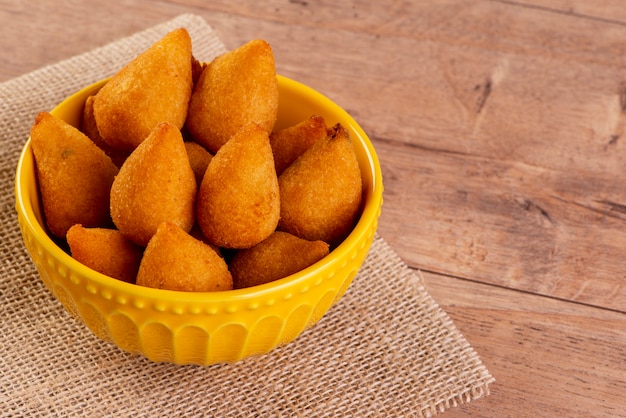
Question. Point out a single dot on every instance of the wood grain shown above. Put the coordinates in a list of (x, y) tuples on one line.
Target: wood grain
[(507, 223), (501, 131), (549, 357)]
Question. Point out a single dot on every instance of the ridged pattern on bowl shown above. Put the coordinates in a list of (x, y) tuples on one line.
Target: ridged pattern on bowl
[(189, 334), (203, 328)]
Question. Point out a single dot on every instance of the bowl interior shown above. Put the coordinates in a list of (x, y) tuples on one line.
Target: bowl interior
[(297, 102)]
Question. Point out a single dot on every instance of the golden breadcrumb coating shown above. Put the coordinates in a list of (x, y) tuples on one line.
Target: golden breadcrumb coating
[(321, 192), (105, 250), (238, 202), (155, 184), (290, 143), (174, 260), (199, 159), (73, 174), (278, 256), (89, 128), (237, 88), (155, 87)]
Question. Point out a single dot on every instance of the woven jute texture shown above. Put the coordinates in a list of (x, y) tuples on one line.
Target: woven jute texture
[(386, 349)]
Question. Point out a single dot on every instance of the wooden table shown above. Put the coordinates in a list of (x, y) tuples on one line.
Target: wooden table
[(501, 130)]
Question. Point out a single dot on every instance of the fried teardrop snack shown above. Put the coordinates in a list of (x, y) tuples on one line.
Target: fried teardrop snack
[(175, 260), (278, 256), (89, 128), (321, 192), (289, 143), (74, 175), (105, 250), (199, 158), (155, 184), (154, 87), (238, 202), (235, 89)]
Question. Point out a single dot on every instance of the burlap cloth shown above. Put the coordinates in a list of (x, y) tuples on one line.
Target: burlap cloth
[(386, 349)]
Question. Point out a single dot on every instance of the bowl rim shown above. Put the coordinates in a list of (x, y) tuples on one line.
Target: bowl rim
[(370, 212)]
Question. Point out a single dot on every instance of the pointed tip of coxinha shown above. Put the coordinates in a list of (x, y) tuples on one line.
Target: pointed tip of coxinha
[(238, 201), (155, 184), (237, 88), (154, 87)]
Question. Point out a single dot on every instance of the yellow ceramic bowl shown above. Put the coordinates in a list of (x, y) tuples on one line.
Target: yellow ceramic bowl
[(203, 328)]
